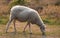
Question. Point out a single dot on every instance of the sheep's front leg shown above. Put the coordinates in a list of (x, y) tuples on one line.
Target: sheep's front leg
[(28, 24), (30, 28), (25, 28), (42, 27)]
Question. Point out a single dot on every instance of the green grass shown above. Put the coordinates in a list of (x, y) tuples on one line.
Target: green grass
[(51, 21), (3, 19), (47, 21)]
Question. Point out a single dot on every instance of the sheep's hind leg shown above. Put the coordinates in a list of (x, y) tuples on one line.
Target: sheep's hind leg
[(8, 24), (14, 25)]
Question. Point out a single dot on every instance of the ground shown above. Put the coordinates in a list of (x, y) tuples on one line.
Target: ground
[(52, 31)]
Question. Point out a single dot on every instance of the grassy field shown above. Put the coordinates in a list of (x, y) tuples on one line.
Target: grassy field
[(50, 15), (52, 31), (52, 27), (50, 18)]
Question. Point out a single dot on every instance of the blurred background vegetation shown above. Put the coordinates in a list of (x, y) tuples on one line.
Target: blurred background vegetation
[(49, 10)]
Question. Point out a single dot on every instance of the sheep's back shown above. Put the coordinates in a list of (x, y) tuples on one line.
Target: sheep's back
[(23, 13)]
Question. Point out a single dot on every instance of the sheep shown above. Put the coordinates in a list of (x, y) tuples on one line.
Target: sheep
[(25, 14)]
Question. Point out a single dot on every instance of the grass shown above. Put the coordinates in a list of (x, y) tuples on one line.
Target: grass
[(51, 30), (51, 21), (3, 19)]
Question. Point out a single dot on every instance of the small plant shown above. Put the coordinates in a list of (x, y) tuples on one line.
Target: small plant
[(18, 2)]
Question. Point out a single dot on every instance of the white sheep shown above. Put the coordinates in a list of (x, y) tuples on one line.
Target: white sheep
[(25, 14)]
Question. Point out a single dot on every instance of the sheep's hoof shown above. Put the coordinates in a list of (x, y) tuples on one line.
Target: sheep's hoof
[(6, 32), (43, 34)]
